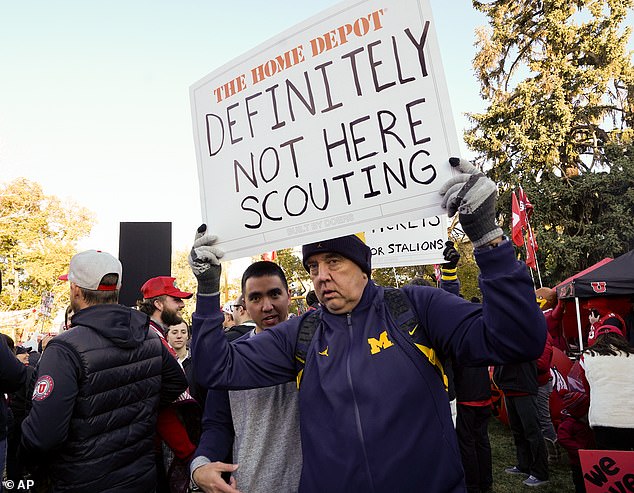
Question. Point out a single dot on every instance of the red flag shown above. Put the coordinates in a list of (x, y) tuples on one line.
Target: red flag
[(437, 272), (532, 238), (525, 205), (270, 256), (531, 248), (518, 224)]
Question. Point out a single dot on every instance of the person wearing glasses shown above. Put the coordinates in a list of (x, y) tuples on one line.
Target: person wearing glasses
[(244, 322), (374, 410)]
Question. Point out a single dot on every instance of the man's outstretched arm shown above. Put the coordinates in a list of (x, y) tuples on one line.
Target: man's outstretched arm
[(261, 361)]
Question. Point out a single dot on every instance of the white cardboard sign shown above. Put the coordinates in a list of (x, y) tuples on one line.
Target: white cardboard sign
[(336, 126), (408, 243)]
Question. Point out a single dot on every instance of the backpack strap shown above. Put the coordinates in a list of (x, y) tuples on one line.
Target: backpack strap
[(403, 314), (401, 309), (307, 329)]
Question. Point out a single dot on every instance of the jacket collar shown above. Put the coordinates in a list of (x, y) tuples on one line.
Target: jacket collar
[(367, 299)]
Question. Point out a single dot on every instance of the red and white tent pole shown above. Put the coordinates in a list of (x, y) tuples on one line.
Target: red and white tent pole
[(579, 323)]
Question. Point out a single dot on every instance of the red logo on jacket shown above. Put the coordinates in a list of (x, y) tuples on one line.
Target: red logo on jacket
[(598, 287), (43, 388)]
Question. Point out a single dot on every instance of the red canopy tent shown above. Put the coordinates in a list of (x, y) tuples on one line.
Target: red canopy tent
[(606, 285)]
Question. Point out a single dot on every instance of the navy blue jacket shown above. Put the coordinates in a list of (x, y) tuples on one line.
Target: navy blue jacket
[(374, 413), (518, 378), (216, 441), (471, 384), (96, 401)]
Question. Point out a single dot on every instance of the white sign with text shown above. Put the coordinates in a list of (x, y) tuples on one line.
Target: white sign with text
[(336, 126), (408, 243)]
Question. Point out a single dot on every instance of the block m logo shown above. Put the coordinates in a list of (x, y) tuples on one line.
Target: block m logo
[(382, 343)]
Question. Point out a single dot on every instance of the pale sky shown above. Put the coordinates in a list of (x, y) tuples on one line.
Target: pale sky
[(94, 96)]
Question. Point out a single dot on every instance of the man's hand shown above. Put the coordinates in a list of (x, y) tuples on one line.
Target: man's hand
[(204, 260), (473, 196), (451, 255), (209, 479)]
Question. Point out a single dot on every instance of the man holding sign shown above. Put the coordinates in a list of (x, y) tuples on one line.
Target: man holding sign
[(374, 412), (334, 126)]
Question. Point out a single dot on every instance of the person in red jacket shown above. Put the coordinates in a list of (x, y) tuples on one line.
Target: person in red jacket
[(163, 303), (374, 410), (554, 313), (574, 432)]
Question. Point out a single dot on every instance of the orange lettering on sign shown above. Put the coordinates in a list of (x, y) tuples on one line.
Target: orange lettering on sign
[(281, 62), (230, 88), (341, 35)]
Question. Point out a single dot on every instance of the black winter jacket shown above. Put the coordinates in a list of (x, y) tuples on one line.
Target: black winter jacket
[(520, 377), (96, 401), (12, 377), (472, 383)]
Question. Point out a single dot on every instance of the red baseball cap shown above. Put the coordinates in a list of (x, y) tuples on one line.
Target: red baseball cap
[(158, 286)]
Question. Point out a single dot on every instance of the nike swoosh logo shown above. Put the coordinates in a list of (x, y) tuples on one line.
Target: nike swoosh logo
[(411, 332), (324, 352)]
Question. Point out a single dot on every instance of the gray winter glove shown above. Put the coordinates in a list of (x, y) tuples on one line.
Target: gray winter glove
[(204, 259), (473, 195)]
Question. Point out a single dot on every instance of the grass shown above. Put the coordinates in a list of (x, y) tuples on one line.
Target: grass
[(503, 452)]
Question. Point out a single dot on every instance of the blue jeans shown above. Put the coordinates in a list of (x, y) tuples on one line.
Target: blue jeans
[(543, 411)]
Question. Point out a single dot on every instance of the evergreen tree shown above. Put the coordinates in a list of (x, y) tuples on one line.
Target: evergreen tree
[(581, 220), (559, 83)]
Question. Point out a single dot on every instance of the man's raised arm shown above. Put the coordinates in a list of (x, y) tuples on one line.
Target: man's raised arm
[(261, 361)]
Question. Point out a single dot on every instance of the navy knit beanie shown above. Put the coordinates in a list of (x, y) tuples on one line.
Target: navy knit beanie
[(349, 246)]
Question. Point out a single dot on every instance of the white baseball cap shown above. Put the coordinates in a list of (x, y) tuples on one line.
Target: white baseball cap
[(88, 268)]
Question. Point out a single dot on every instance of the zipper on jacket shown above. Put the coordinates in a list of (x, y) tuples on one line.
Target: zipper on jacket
[(357, 416)]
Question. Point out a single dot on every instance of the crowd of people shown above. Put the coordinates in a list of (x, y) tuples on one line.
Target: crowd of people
[(355, 395)]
